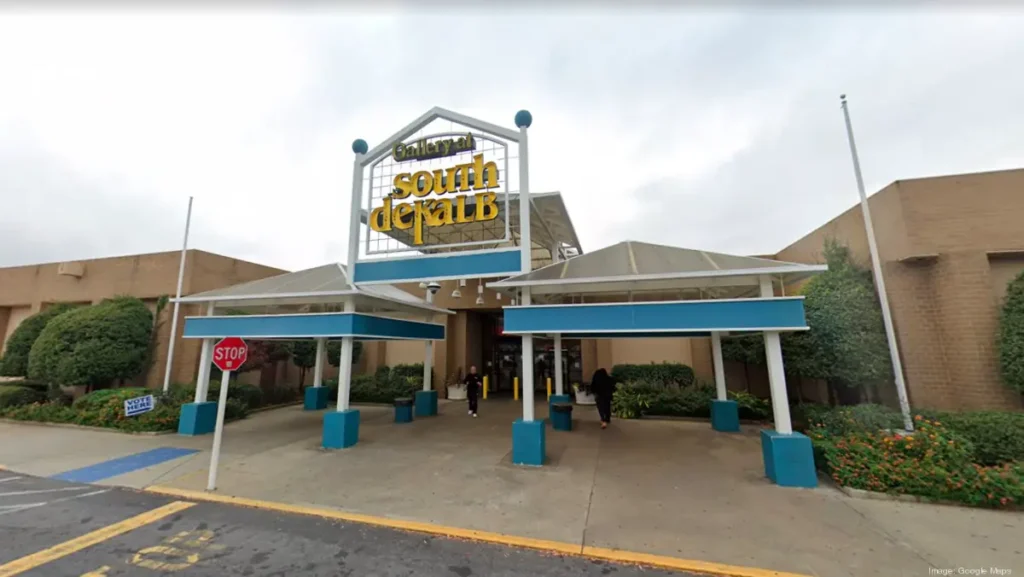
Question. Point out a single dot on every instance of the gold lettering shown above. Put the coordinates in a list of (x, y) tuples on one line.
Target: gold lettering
[(398, 219), (403, 186), (486, 173), (460, 211), (486, 206), (444, 181), (423, 182), (380, 217), (417, 231), (440, 213), (398, 152)]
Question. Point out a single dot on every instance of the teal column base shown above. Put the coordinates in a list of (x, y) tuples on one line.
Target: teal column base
[(197, 419), (403, 413), (426, 403), (528, 443), (557, 399), (316, 398), (725, 416), (341, 429), (788, 459)]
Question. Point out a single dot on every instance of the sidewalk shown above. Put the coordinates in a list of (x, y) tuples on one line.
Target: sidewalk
[(660, 487)]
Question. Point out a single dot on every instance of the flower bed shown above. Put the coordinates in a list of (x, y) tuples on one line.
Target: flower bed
[(935, 462)]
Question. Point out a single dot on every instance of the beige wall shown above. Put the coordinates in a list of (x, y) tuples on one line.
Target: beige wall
[(939, 239)]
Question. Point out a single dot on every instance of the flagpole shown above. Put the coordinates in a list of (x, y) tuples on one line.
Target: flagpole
[(890, 333), (177, 296)]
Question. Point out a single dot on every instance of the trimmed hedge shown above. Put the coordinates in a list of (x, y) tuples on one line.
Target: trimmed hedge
[(93, 346), (1011, 335), (16, 396), (635, 400), (664, 374), (382, 387), (14, 363)]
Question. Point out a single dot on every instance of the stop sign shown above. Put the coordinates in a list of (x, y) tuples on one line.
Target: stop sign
[(230, 353)]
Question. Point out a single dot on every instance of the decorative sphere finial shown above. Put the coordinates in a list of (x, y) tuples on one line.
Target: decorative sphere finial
[(359, 146), (524, 119)]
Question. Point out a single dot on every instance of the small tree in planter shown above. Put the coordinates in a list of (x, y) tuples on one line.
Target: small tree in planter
[(456, 387), (584, 396), (304, 357)]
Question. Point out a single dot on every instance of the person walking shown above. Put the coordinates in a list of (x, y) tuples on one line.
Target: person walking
[(472, 389), (603, 388)]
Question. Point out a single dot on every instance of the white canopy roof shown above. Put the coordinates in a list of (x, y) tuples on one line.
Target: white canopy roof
[(323, 285), (632, 266)]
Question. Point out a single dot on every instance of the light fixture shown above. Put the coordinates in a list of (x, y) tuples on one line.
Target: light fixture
[(479, 300), (423, 285), (456, 294), (462, 282), (497, 295), (513, 303), (479, 291)]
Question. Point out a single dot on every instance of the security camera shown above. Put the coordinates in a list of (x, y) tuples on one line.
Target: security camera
[(433, 287)]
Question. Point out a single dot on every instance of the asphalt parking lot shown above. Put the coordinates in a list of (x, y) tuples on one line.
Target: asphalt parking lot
[(54, 528)]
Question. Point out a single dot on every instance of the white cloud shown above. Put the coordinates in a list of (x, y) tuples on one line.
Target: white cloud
[(715, 130)]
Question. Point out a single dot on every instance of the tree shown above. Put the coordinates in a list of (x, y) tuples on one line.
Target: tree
[(1011, 335), (746, 349), (334, 352), (14, 362), (93, 346), (161, 304), (303, 356), (846, 345)]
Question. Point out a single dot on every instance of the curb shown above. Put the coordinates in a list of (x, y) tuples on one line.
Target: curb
[(574, 549), (86, 428), (902, 498)]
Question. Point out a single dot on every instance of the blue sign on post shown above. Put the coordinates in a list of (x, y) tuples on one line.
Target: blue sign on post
[(138, 405)]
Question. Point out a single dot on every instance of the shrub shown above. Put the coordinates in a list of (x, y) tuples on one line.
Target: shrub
[(857, 419), (997, 437), (279, 396), (636, 399), (15, 396), (1011, 335), (632, 400), (14, 363), (751, 406), (377, 388), (249, 395), (95, 345), (40, 412), (655, 373), (933, 463)]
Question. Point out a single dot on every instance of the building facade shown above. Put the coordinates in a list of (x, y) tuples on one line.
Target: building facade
[(949, 246)]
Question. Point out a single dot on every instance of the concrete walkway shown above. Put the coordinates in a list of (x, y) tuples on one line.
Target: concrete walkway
[(661, 487)]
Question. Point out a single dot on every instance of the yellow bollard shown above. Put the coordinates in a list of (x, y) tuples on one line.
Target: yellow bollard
[(549, 388), (485, 387), (515, 388)]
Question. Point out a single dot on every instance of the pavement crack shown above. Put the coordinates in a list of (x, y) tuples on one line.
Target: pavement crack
[(590, 498)]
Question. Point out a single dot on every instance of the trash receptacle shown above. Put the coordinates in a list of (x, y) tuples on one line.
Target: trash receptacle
[(403, 410), (561, 416)]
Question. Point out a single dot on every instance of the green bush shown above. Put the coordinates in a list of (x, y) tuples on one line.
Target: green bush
[(751, 407), (249, 395), (14, 363), (41, 413), (1011, 335), (15, 396), (997, 437), (95, 345), (280, 396), (655, 373), (34, 385), (636, 399), (381, 387), (934, 462), (857, 419)]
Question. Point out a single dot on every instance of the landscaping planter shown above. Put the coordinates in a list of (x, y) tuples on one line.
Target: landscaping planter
[(456, 393)]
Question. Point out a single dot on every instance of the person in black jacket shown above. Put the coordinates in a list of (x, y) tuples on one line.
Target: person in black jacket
[(472, 389), (602, 385)]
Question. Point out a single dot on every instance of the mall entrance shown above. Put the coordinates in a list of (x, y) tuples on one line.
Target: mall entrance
[(503, 358)]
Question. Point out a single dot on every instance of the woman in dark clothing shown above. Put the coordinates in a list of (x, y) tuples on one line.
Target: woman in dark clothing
[(602, 385)]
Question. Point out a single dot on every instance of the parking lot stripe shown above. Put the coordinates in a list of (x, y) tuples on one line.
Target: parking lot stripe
[(122, 465), (619, 556), (66, 548)]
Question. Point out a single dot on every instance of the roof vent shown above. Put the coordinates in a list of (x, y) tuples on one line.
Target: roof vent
[(75, 269)]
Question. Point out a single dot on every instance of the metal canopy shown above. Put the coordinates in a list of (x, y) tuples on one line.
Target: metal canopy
[(632, 266), (306, 290), (550, 226)]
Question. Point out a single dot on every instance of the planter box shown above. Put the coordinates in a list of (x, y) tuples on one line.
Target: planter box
[(583, 398), (456, 393)]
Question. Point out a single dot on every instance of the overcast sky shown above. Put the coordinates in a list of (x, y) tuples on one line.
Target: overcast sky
[(715, 130)]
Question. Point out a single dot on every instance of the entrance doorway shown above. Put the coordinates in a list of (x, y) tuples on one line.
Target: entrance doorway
[(503, 357)]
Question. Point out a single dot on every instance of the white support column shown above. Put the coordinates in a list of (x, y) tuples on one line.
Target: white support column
[(558, 365), (776, 373), (527, 367), (345, 366), (428, 357), (354, 208), (205, 359), (716, 356), (318, 367)]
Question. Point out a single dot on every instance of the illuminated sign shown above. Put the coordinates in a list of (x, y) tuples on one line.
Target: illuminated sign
[(437, 212), (426, 149)]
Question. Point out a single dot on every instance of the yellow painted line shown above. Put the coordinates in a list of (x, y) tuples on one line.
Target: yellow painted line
[(483, 536), (75, 545)]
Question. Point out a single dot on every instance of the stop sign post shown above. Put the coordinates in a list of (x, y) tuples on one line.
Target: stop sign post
[(228, 355)]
